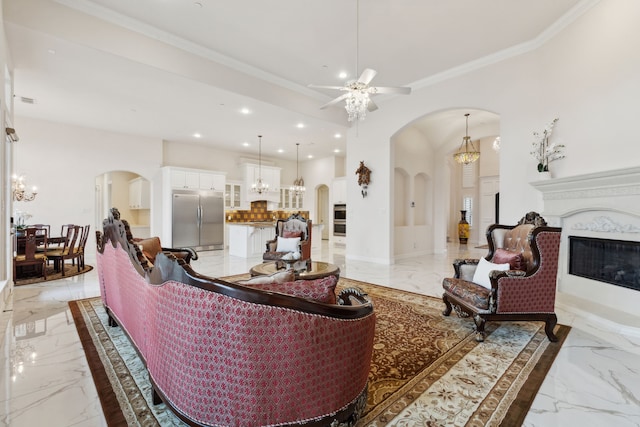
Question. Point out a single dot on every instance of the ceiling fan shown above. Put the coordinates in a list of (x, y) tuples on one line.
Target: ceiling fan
[(358, 93), (357, 97)]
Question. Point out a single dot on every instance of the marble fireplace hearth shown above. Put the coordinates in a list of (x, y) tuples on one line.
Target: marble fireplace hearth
[(602, 205)]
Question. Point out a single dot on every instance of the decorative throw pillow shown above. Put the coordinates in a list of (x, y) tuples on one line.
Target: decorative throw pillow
[(291, 234), (278, 277), (320, 290), (150, 247), (481, 276), (515, 259), (288, 245)]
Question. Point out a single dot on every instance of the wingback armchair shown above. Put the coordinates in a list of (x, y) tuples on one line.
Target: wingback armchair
[(294, 227), (516, 281)]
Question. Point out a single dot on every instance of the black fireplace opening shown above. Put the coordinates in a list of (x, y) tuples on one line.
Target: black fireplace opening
[(610, 261)]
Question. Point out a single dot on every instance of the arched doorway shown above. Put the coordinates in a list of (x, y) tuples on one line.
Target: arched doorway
[(322, 210), (130, 193)]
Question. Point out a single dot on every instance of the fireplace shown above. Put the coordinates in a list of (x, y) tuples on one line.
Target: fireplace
[(610, 261), (600, 217)]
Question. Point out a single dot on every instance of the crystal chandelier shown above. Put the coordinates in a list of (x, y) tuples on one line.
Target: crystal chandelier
[(259, 186), (18, 189), (298, 184), (464, 154)]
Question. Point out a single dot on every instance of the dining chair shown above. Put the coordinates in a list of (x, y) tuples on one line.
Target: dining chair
[(82, 242), (67, 250), (30, 256)]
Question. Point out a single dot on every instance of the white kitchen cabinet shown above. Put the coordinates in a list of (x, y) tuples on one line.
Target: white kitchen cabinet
[(185, 179), (212, 181), (197, 180), (233, 195), (139, 197), (288, 200), (339, 191)]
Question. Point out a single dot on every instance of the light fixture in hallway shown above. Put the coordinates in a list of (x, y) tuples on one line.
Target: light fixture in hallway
[(467, 152)]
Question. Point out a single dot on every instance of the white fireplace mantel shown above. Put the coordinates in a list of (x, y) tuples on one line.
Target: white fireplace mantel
[(601, 205), (615, 190)]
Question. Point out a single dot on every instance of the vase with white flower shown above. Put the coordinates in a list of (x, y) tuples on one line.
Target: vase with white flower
[(545, 151)]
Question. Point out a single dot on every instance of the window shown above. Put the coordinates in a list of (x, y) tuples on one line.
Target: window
[(469, 175)]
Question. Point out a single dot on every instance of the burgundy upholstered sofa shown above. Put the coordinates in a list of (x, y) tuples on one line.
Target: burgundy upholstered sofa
[(223, 354)]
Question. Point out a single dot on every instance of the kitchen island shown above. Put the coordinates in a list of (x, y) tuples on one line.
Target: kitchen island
[(248, 239)]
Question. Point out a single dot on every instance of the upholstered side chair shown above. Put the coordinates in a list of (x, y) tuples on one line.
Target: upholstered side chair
[(294, 227), (516, 281)]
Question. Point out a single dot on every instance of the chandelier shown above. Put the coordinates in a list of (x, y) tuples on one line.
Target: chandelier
[(464, 154), (259, 186), (298, 184), (18, 189)]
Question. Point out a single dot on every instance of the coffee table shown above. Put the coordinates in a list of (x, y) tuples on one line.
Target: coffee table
[(307, 270)]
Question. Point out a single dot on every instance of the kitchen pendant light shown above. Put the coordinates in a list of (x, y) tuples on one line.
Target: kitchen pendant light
[(259, 186), (298, 184)]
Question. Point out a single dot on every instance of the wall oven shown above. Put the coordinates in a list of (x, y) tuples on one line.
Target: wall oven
[(340, 220)]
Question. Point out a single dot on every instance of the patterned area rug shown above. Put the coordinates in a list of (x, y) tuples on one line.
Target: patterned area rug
[(69, 271), (427, 369)]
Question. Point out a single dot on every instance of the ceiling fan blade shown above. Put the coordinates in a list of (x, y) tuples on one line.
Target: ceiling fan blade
[(390, 89), (371, 106), (327, 87), (367, 75), (335, 101)]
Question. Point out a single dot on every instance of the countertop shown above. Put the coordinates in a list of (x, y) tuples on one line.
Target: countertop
[(254, 224)]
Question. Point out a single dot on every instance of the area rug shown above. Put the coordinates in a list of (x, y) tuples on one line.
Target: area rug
[(427, 369), (69, 271)]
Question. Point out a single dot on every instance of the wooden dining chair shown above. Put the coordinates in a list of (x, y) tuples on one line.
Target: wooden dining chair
[(82, 242), (67, 250), (31, 257)]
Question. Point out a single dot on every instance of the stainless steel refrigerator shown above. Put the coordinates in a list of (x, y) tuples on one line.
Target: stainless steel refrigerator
[(198, 219)]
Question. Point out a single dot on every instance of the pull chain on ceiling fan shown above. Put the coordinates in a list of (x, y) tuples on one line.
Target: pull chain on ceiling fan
[(357, 97)]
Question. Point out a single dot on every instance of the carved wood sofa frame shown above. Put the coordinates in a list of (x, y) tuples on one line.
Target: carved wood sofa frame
[(219, 353)]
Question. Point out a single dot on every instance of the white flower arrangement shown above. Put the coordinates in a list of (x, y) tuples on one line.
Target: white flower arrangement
[(543, 151)]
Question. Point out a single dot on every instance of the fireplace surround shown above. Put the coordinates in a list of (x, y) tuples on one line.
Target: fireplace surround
[(598, 206)]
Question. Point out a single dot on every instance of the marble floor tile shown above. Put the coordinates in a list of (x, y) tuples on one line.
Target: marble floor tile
[(45, 379)]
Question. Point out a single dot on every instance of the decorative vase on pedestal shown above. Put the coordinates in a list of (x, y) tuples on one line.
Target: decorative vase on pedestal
[(463, 228)]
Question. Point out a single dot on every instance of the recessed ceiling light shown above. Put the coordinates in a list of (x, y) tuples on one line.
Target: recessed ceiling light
[(343, 75), (337, 150), (280, 150), (337, 135), (300, 125), (245, 111), (245, 144), (197, 135), (310, 156)]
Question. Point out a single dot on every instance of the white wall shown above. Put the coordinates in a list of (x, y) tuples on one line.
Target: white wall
[(63, 162), (588, 78)]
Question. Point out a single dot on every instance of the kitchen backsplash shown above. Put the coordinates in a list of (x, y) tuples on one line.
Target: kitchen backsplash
[(260, 213)]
